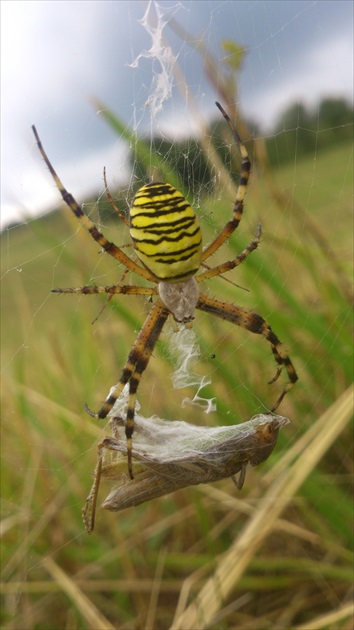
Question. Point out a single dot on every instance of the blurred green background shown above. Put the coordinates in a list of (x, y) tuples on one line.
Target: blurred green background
[(135, 568)]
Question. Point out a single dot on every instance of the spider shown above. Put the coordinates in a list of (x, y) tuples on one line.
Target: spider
[(167, 240)]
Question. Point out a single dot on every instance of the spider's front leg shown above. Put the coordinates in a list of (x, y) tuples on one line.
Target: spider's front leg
[(109, 247), (232, 225), (137, 361)]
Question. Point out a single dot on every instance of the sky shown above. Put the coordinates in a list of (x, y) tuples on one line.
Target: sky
[(58, 56)]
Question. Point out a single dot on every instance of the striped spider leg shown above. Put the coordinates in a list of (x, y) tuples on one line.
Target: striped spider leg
[(167, 240)]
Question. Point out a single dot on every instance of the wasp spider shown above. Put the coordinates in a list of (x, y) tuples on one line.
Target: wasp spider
[(168, 242)]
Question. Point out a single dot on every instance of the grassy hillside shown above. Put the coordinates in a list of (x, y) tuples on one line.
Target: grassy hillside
[(143, 567)]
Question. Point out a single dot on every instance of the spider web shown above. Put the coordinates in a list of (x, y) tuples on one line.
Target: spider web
[(185, 72), (157, 75), (168, 76)]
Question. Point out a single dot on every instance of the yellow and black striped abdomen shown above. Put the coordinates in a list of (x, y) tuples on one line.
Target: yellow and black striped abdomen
[(165, 232)]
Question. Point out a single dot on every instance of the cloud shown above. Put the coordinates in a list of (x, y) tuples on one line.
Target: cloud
[(324, 70), (55, 56)]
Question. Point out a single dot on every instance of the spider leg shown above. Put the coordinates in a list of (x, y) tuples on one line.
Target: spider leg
[(136, 363), (231, 225), (256, 324), (108, 246), (110, 199), (125, 289), (220, 269)]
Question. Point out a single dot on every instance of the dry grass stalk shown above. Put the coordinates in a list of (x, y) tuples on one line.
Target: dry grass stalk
[(212, 596), (93, 617)]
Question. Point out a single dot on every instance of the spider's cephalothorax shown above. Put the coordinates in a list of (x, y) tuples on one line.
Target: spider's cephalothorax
[(167, 241)]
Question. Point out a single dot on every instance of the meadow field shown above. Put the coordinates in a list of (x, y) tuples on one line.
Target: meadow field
[(278, 553)]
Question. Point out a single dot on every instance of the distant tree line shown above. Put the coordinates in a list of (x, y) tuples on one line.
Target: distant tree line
[(301, 130)]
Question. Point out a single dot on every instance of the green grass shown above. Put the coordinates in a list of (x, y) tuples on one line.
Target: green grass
[(137, 567)]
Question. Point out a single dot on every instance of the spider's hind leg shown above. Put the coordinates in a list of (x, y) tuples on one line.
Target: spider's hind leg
[(256, 324), (137, 361), (282, 359)]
